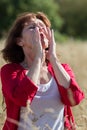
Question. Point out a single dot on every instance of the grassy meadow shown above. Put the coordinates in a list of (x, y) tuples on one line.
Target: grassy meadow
[(75, 54)]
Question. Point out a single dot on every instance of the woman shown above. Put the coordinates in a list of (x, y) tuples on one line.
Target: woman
[(35, 77)]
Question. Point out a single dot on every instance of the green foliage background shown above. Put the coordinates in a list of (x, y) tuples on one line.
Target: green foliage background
[(11, 8), (74, 13), (68, 17)]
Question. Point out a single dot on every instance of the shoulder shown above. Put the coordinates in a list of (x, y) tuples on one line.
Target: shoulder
[(9, 68), (9, 65)]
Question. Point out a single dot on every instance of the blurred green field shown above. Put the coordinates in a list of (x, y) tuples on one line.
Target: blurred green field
[(75, 54)]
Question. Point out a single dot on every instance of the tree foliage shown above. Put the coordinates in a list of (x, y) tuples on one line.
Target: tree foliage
[(9, 9), (74, 13), (67, 16)]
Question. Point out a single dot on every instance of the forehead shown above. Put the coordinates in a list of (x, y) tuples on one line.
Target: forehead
[(35, 21)]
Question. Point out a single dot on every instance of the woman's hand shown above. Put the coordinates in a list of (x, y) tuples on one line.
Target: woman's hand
[(61, 74), (38, 48), (31, 42), (36, 41), (51, 52)]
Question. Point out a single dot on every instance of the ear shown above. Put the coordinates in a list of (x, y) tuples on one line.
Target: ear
[(20, 42)]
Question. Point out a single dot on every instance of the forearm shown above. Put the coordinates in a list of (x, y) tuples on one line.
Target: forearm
[(34, 70), (62, 76)]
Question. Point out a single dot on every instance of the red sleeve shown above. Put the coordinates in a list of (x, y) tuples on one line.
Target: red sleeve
[(16, 86), (77, 92), (78, 95)]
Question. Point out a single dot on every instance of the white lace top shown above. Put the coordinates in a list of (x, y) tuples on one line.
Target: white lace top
[(48, 110)]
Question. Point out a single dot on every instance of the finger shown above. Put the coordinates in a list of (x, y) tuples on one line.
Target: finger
[(46, 31), (44, 28), (37, 35), (49, 32), (52, 35), (49, 35), (53, 41)]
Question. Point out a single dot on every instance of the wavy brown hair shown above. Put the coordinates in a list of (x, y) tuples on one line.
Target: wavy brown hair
[(12, 52)]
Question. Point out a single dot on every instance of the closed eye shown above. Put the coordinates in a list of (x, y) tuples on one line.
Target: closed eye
[(32, 27)]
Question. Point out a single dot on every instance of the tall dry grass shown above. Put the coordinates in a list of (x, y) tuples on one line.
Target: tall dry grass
[(75, 54)]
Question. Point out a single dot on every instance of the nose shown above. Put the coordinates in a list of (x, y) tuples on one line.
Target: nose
[(40, 29), (43, 29)]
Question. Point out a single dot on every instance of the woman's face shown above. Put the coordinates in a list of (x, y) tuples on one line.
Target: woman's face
[(28, 33)]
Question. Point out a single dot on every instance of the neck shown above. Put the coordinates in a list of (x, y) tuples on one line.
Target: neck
[(27, 63)]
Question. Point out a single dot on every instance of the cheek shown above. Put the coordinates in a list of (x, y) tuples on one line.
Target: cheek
[(27, 39)]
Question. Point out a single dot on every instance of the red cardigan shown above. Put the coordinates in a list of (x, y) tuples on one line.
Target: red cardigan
[(17, 88)]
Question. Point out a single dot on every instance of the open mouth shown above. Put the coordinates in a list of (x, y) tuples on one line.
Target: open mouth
[(47, 48)]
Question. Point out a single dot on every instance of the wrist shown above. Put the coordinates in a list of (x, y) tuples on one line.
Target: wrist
[(39, 56), (54, 59), (38, 59)]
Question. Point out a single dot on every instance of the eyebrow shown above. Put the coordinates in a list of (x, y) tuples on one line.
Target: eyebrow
[(29, 25), (32, 23), (35, 24)]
